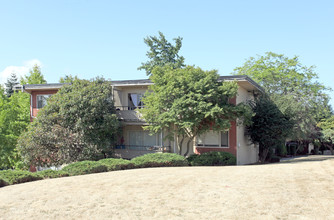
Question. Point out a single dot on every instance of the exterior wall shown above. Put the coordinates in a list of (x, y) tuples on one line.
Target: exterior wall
[(246, 151), (33, 101)]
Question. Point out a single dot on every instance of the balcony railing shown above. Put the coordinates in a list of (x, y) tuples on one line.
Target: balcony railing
[(143, 148), (123, 108)]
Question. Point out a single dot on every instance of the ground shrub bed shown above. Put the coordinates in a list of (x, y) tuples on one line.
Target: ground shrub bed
[(85, 167), (52, 174), (10, 177), (159, 160), (117, 164), (212, 159)]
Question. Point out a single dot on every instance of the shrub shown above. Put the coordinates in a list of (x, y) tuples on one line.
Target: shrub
[(10, 177), (192, 157), (117, 164), (159, 160), (275, 159), (3, 182), (52, 173), (213, 159), (85, 167)]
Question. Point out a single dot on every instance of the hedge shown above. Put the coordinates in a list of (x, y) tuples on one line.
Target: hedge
[(9, 177), (117, 164), (52, 173), (159, 160), (212, 159), (85, 167)]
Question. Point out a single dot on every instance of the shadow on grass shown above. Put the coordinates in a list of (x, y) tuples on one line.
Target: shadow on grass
[(310, 158)]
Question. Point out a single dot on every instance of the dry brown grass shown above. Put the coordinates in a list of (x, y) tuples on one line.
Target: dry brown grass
[(298, 189)]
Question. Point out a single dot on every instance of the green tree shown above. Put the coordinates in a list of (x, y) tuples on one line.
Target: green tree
[(78, 123), (10, 84), (162, 53), (188, 102), (269, 128), (68, 79), (35, 76), (327, 133), (292, 87), (14, 118)]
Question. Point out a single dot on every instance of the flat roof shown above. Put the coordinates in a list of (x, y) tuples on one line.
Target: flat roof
[(140, 82)]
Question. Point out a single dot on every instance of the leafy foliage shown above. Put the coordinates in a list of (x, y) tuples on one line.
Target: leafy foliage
[(269, 126), (52, 173), (85, 167), (293, 88), (14, 118), (326, 136), (162, 53), (18, 176), (117, 164), (159, 160), (188, 102), (35, 76), (79, 123), (212, 159), (68, 79)]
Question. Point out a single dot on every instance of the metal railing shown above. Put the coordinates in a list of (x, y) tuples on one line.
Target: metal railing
[(143, 148), (122, 108)]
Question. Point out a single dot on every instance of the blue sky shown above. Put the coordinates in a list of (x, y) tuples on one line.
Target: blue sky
[(105, 38)]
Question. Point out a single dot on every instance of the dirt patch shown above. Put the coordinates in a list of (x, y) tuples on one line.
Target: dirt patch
[(296, 190)]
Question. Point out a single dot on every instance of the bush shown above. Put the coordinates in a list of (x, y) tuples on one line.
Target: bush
[(2, 182), (117, 164), (275, 159), (213, 159), (85, 167), (10, 177), (192, 157), (159, 160), (52, 173)]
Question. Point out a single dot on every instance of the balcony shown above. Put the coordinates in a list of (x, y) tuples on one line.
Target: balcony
[(131, 151), (129, 114)]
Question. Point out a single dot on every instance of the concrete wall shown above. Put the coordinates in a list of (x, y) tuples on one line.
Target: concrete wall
[(246, 151)]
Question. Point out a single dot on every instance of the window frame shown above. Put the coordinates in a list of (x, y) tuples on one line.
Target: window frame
[(157, 137), (219, 141), (39, 95)]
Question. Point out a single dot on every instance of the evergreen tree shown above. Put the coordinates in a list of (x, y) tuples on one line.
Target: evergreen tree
[(35, 76), (11, 83)]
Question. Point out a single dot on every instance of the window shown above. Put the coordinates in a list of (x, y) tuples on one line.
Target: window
[(143, 138), (213, 139), (41, 100), (134, 100)]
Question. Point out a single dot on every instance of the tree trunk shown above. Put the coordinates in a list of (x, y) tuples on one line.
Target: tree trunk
[(188, 146), (264, 155), (180, 145)]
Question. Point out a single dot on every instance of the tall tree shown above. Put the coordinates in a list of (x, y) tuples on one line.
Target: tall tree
[(292, 87), (161, 53), (79, 122), (327, 133), (269, 126), (188, 102), (68, 79), (35, 76), (14, 118), (10, 84)]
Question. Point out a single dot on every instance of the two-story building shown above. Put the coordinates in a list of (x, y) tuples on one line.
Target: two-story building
[(136, 141)]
